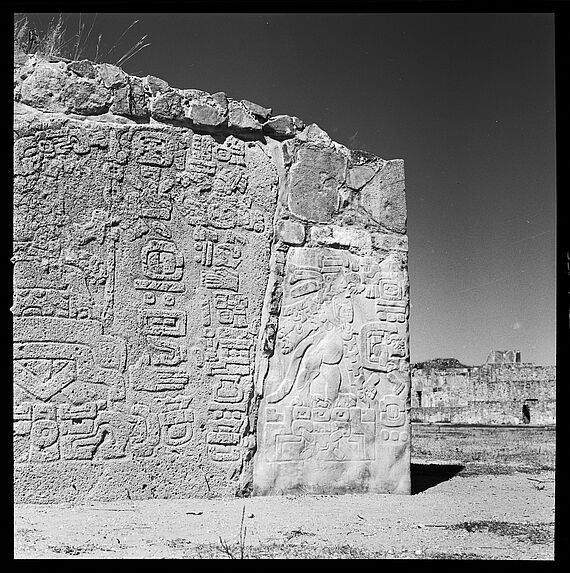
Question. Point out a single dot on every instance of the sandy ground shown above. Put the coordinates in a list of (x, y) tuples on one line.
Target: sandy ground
[(455, 512)]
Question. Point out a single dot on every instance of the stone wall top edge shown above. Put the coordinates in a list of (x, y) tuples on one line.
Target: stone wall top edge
[(100, 92)]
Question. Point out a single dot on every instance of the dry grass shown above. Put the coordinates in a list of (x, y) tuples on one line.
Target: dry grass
[(59, 40)]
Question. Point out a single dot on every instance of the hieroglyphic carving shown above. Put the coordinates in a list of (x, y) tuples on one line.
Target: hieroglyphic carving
[(338, 379), (162, 365), (139, 269), (100, 430), (51, 354)]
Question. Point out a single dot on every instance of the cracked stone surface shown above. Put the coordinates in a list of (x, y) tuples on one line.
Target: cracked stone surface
[(208, 299)]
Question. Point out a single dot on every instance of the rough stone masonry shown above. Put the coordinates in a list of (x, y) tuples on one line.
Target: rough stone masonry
[(208, 299)]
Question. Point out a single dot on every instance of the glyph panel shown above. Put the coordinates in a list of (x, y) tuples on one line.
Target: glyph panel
[(334, 416)]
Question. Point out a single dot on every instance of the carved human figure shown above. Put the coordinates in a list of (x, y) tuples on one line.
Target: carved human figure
[(316, 372)]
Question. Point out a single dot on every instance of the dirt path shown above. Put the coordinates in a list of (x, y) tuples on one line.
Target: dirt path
[(455, 514)]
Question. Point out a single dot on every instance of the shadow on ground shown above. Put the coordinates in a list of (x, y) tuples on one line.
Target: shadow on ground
[(425, 476)]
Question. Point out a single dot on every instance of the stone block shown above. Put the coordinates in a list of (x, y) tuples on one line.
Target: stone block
[(316, 177), (240, 119), (130, 100), (112, 76), (208, 110), (168, 106), (42, 88), (334, 416), (383, 197), (280, 127), (87, 97), (291, 232), (83, 68), (260, 112), (156, 85)]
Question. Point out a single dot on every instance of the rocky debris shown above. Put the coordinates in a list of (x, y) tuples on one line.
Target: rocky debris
[(47, 82)]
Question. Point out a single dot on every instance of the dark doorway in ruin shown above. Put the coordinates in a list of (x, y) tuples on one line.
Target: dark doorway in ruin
[(526, 414), (419, 398)]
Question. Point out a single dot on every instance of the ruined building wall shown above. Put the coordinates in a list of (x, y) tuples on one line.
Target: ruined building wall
[(495, 393), (208, 299)]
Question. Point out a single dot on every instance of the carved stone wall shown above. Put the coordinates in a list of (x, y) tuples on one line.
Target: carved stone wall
[(208, 299), (507, 392)]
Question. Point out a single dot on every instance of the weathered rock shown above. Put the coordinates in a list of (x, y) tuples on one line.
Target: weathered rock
[(87, 97), (208, 110), (156, 85), (280, 127), (167, 107), (357, 240), (298, 123), (130, 100), (315, 135), (43, 88), (112, 76), (262, 113), (240, 119), (83, 68), (358, 176)]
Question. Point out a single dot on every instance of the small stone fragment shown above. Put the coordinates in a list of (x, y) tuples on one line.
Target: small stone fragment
[(358, 176), (240, 119), (280, 127), (112, 76), (155, 85), (167, 107), (43, 88), (83, 68), (263, 113), (130, 100), (208, 110), (314, 134), (87, 97), (383, 197), (291, 232), (298, 123)]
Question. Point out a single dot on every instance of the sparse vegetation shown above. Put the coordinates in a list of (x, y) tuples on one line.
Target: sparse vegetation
[(527, 532), (59, 40), (239, 551)]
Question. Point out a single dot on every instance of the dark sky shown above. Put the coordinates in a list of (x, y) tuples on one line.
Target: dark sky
[(467, 100)]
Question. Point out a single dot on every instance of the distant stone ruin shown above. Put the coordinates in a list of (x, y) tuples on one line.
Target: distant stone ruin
[(208, 299), (504, 390), (504, 357)]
